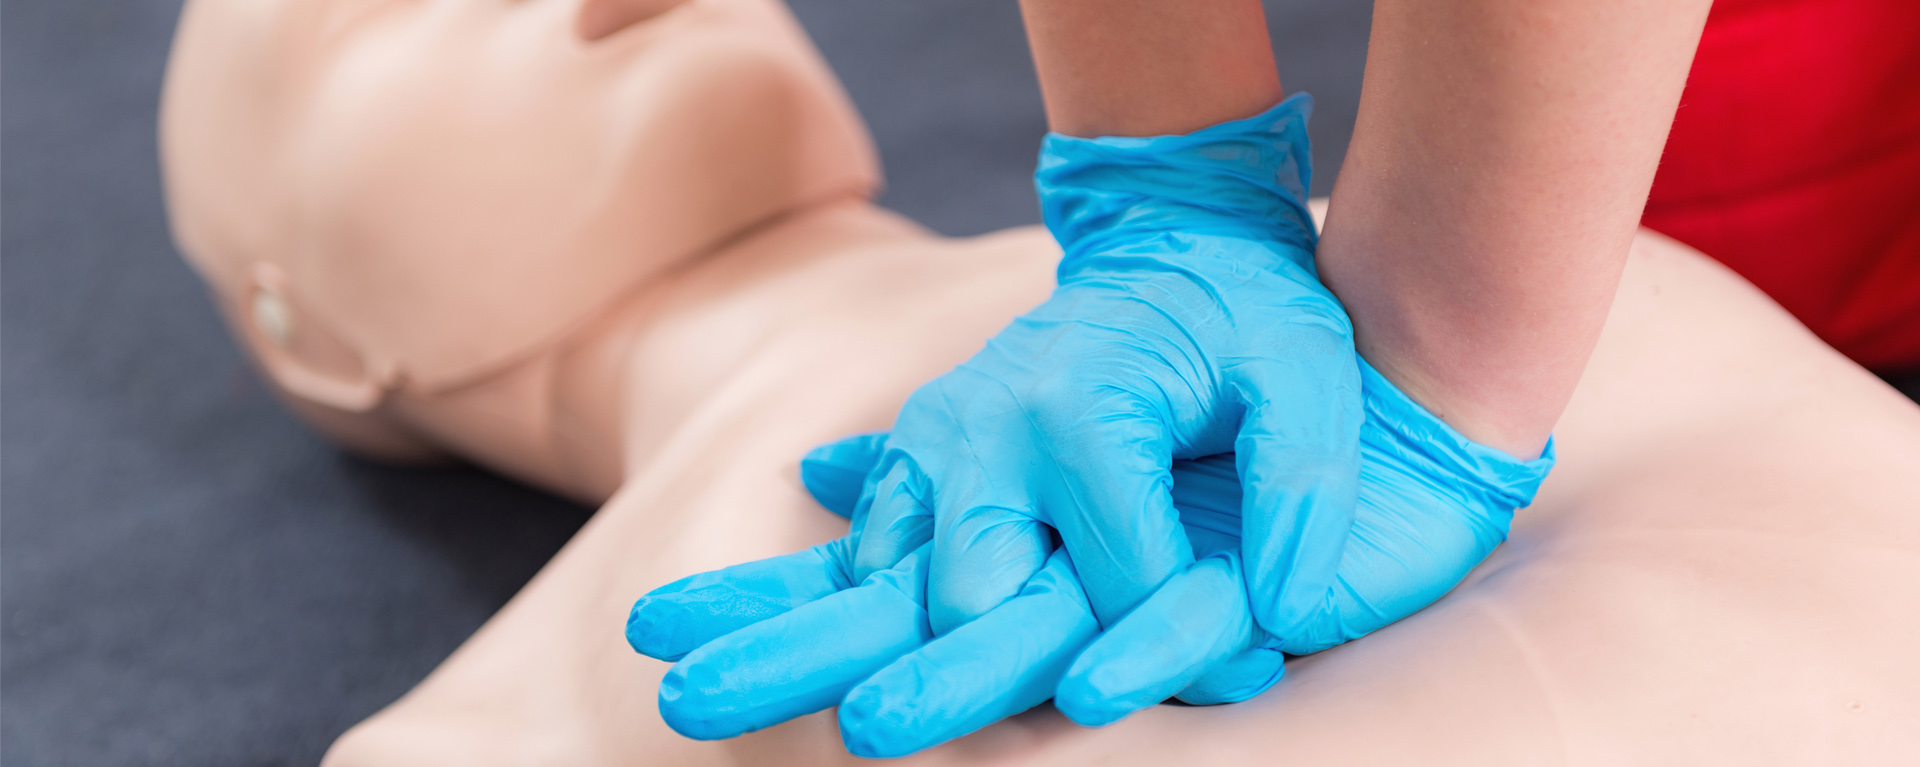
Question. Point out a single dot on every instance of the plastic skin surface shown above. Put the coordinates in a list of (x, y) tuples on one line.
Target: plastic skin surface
[(1718, 571)]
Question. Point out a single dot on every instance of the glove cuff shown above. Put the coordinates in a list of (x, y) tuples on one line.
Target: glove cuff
[(1422, 439), (1244, 178)]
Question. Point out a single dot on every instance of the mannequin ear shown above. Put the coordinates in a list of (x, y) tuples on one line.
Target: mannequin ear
[(601, 18)]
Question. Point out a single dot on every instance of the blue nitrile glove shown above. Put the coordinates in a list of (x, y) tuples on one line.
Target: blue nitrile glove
[(1431, 505), (1188, 321)]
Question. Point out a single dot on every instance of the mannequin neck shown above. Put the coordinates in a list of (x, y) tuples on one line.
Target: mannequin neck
[(575, 418)]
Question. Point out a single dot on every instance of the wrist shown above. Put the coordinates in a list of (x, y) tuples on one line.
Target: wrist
[(1243, 178), (1414, 432), (1518, 436)]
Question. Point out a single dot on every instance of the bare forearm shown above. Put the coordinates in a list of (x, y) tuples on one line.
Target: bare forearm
[(1150, 67), (1497, 173)]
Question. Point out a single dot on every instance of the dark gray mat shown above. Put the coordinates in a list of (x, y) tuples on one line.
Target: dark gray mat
[(192, 579)]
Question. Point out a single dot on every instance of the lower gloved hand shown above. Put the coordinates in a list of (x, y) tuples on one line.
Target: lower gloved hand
[(766, 641)]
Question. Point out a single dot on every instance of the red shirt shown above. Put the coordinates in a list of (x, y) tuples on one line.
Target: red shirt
[(1795, 160)]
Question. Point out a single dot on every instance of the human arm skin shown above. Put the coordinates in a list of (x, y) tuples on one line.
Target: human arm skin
[(1497, 172), (1150, 67), (1502, 156)]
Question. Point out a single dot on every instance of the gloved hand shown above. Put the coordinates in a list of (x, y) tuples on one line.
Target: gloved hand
[(1188, 321), (766, 641)]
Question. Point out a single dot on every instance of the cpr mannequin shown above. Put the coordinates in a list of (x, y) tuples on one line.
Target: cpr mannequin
[(551, 237)]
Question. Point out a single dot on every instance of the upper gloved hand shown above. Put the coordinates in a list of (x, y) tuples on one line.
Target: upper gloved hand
[(763, 642), (1188, 321)]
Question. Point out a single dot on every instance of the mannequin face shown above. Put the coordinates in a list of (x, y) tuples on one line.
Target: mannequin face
[(423, 164)]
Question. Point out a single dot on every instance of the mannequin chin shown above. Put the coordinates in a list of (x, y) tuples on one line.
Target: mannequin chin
[(622, 250)]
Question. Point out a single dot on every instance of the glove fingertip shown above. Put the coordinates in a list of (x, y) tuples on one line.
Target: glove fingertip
[(862, 730), (1237, 679), (835, 473), (1087, 706), (683, 712), (651, 630), (835, 488), (1103, 687)]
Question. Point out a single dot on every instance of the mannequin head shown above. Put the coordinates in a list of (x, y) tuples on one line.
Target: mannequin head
[(382, 190)]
